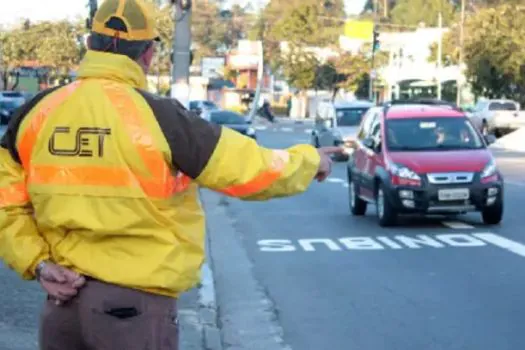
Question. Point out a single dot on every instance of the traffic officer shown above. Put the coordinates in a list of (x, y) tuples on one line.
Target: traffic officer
[(99, 191)]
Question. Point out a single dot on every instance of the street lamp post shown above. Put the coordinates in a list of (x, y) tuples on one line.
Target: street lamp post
[(459, 84), (439, 54), (180, 88)]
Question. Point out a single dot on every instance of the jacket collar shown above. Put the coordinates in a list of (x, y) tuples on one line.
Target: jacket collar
[(114, 67)]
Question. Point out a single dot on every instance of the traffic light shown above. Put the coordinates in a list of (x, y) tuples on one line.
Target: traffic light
[(376, 43)]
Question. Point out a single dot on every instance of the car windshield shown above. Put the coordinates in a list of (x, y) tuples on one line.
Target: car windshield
[(10, 104), (209, 105), (227, 118), (431, 134), (503, 106), (12, 94), (350, 116)]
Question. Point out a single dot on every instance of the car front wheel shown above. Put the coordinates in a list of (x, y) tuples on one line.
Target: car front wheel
[(386, 213), (357, 205), (492, 215)]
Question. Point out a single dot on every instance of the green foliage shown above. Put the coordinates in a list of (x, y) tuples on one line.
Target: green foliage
[(495, 52), (300, 68), (413, 12)]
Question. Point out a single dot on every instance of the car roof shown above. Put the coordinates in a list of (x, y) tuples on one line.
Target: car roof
[(353, 104), (421, 111)]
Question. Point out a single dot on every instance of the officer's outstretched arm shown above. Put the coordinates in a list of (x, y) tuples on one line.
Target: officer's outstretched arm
[(239, 167), (21, 246)]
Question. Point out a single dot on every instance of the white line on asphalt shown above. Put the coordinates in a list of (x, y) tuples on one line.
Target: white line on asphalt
[(308, 131), (287, 129), (502, 242), (345, 185), (456, 225), (335, 180), (261, 127)]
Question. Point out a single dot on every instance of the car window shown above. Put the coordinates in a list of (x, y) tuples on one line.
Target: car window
[(480, 106), (368, 118), (503, 106), (350, 116), (431, 134), (193, 105), (226, 117), (12, 94), (209, 104)]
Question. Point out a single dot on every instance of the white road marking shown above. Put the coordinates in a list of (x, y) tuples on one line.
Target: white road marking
[(399, 242), (502, 242), (308, 131), (287, 129), (456, 225), (345, 185), (260, 127), (335, 180)]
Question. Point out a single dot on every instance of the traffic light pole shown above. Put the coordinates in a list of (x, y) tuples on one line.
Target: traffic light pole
[(371, 95), (180, 88), (93, 6)]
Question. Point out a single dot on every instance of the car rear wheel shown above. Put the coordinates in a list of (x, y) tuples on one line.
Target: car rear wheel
[(386, 214), (492, 215), (315, 142), (357, 205)]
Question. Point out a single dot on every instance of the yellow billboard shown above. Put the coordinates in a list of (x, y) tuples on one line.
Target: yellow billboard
[(359, 29)]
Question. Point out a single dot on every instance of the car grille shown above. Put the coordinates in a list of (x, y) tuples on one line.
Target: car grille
[(450, 178)]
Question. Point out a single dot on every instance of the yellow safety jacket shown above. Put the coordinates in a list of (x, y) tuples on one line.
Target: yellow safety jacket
[(102, 177)]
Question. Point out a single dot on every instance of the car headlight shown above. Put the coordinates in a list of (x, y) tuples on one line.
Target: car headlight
[(403, 172), (250, 131), (490, 169)]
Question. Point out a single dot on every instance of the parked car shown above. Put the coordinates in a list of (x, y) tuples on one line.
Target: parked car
[(422, 159), (7, 109), (231, 120), (337, 124), (497, 116), (12, 96), (198, 106)]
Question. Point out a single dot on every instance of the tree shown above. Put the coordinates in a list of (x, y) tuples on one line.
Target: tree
[(300, 22), (495, 52), (56, 45), (300, 68), (413, 12)]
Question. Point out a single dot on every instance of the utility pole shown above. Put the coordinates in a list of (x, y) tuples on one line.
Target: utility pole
[(371, 94), (459, 84), (93, 6), (180, 88), (439, 54)]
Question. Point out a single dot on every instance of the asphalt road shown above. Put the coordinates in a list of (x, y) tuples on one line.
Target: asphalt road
[(338, 282), (341, 283)]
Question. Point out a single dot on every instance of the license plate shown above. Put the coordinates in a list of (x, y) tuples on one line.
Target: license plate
[(455, 194)]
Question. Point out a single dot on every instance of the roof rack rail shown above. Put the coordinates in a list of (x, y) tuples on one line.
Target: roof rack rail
[(421, 101)]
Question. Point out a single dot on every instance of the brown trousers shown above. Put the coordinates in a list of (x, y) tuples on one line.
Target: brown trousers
[(107, 317)]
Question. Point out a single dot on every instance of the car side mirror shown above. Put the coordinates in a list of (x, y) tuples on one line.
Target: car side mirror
[(490, 139)]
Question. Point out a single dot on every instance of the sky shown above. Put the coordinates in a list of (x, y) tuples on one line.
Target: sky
[(38, 10)]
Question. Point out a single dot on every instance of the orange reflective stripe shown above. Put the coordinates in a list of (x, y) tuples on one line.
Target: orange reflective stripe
[(15, 194), (28, 139), (161, 182), (264, 180), (82, 175)]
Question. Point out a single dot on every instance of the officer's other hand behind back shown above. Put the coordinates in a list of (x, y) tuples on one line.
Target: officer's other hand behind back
[(325, 166)]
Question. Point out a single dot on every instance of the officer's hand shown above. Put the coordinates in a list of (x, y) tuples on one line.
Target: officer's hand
[(59, 282), (325, 166)]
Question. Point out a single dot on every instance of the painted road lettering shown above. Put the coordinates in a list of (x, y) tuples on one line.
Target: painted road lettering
[(397, 242)]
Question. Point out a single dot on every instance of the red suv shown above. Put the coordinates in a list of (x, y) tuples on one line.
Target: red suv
[(424, 159)]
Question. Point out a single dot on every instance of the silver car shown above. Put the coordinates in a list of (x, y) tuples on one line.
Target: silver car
[(336, 124)]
